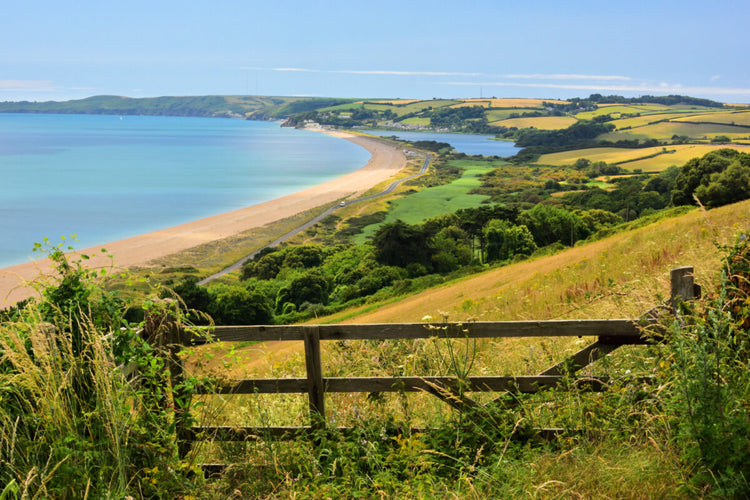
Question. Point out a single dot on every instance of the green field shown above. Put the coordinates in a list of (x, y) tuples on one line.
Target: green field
[(539, 122), (494, 115), (437, 200), (425, 122)]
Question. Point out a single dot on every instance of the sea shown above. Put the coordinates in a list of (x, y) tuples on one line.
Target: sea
[(470, 144), (108, 177)]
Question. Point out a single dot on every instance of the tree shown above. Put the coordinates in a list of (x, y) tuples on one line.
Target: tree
[(596, 220), (303, 256), (550, 224), (698, 171), (451, 248), (236, 305), (310, 287), (729, 186), (400, 244), (504, 240)]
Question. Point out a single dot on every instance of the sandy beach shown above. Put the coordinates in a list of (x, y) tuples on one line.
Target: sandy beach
[(385, 162)]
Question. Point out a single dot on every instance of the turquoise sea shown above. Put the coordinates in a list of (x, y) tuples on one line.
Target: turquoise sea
[(106, 177)]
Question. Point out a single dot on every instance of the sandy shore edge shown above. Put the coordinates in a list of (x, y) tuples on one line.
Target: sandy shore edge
[(384, 163)]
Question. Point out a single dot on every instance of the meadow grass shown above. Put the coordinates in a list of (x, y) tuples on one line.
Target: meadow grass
[(539, 122)]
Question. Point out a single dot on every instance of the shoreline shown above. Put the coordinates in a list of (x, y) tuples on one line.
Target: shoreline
[(384, 163)]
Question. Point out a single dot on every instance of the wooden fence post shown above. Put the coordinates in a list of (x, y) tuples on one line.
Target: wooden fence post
[(315, 389), (163, 331), (682, 286)]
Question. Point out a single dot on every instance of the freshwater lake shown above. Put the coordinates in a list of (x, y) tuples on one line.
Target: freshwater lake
[(106, 178), (470, 144)]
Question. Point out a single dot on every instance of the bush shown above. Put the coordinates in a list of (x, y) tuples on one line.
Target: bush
[(705, 371)]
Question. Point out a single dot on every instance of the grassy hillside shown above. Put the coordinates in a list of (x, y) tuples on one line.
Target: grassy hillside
[(620, 276)]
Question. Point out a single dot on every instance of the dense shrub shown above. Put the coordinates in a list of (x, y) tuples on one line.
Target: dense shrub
[(716, 178), (704, 369)]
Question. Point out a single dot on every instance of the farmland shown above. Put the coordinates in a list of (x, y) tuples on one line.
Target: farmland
[(652, 159), (541, 122)]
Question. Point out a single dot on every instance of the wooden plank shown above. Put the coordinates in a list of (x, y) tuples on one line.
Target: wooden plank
[(558, 328), (315, 387), (255, 434), (226, 433), (582, 358), (259, 386), (527, 384)]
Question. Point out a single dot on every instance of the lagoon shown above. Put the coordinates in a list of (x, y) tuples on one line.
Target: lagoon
[(470, 144), (106, 178)]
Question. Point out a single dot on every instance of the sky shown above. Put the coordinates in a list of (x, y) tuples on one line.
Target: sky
[(54, 50)]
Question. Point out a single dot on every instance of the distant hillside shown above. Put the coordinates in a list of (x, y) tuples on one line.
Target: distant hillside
[(251, 107)]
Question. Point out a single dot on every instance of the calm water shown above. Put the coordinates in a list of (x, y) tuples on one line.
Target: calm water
[(470, 144), (106, 178)]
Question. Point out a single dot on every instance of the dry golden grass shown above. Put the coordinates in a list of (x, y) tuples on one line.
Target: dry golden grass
[(539, 122), (728, 117), (642, 121), (682, 153), (666, 130)]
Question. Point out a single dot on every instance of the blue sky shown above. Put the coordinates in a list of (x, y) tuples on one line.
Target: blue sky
[(55, 50)]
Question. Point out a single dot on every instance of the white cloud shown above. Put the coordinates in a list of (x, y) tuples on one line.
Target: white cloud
[(539, 76), (567, 77), (27, 86), (660, 87), (368, 72)]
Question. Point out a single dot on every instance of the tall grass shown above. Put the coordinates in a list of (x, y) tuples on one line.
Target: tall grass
[(87, 408)]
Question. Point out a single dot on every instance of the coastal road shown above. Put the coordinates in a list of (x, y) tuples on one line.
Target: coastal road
[(238, 265)]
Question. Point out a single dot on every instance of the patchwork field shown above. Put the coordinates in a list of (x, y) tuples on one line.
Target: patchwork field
[(643, 120), (539, 122), (665, 130), (618, 109), (677, 155), (729, 118)]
